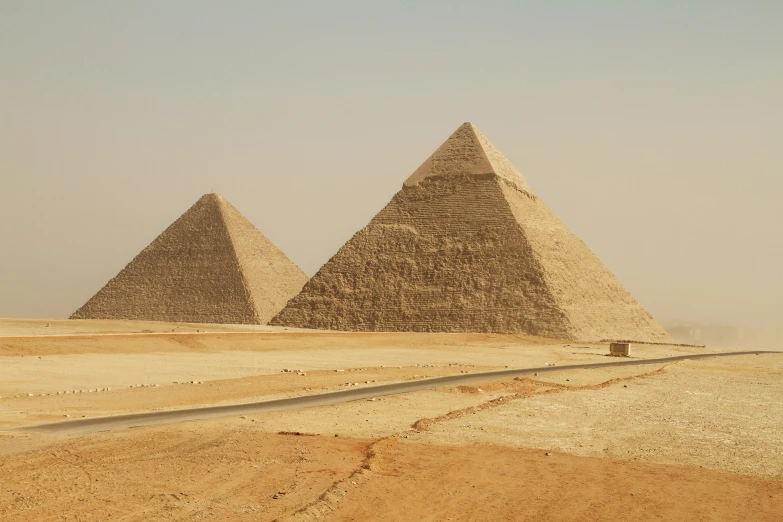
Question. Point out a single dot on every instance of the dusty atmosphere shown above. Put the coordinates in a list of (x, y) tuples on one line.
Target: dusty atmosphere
[(686, 440), (394, 318)]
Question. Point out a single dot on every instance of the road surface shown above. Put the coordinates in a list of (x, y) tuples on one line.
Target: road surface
[(323, 399)]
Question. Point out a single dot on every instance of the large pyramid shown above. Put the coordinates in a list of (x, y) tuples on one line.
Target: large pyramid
[(210, 266), (466, 246)]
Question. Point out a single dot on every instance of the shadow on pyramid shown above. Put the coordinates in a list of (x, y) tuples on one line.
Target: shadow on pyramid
[(466, 246), (210, 266)]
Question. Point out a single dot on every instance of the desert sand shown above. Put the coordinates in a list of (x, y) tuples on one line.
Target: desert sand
[(686, 440)]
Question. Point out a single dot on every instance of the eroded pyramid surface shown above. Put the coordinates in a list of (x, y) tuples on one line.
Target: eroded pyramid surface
[(466, 246), (210, 266)]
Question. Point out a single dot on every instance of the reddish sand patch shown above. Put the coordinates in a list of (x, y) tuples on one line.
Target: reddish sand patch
[(423, 482)]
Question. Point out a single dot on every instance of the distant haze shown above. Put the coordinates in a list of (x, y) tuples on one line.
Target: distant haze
[(655, 133)]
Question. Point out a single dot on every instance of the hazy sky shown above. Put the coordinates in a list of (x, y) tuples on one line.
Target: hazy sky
[(654, 130)]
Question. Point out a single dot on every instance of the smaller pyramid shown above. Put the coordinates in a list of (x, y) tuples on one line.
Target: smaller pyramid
[(210, 266)]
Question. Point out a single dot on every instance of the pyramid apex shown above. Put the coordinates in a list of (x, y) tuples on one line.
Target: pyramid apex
[(467, 152), (212, 197), (467, 126)]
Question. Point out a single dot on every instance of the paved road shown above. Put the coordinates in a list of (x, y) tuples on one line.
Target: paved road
[(323, 399)]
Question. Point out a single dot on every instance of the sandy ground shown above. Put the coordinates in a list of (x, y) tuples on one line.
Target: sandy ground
[(692, 440), (31, 327), (704, 414)]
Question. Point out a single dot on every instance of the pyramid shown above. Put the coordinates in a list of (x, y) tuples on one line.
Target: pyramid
[(210, 266), (466, 246)]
